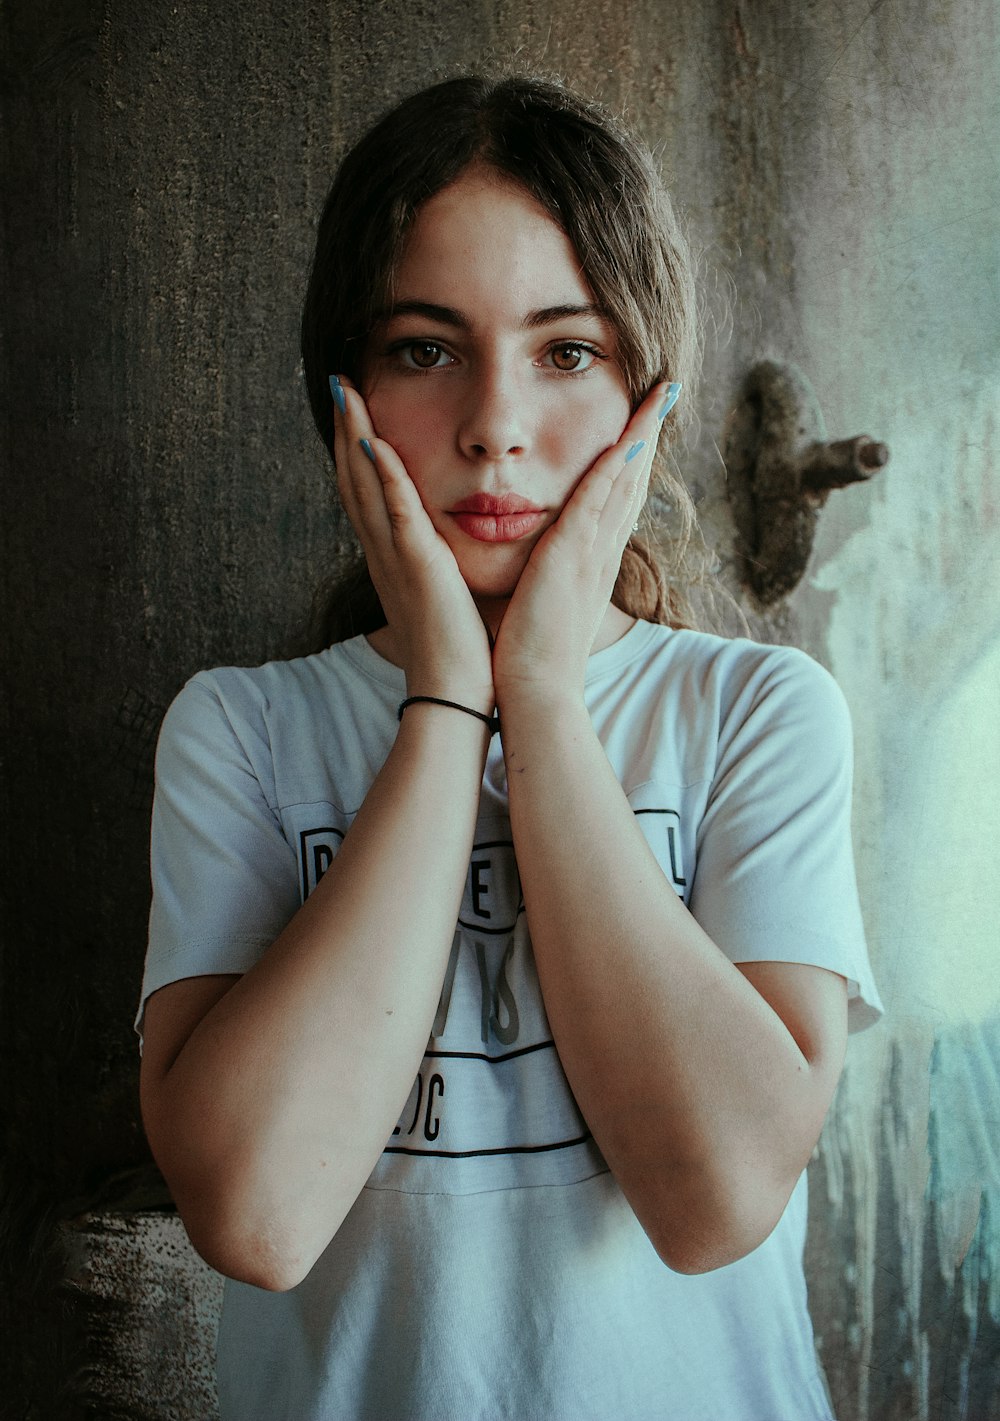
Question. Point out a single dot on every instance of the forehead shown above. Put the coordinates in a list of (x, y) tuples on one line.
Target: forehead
[(484, 244)]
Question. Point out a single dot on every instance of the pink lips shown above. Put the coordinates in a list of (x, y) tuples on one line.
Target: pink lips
[(497, 517)]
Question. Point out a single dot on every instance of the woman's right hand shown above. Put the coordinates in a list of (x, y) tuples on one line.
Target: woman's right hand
[(437, 631)]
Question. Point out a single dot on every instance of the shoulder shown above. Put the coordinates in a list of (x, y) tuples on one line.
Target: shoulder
[(235, 716), (245, 698), (729, 682), (305, 729), (738, 661), (244, 686)]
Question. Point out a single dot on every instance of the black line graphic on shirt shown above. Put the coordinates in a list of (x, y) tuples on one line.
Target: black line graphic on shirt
[(671, 827), (491, 1068), (317, 850)]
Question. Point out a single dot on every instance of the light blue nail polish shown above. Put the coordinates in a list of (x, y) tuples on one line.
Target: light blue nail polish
[(368, 449), (337, 391), (634, 451), (671, 398)]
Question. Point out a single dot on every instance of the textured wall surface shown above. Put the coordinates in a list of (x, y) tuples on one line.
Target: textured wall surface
[(168, 509), (145, 1309), (892, 201)]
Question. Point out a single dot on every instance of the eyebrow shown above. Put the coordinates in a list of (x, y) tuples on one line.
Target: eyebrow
[(448, 316)]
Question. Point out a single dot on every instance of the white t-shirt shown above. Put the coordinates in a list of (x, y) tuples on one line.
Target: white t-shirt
[(491, 1267)]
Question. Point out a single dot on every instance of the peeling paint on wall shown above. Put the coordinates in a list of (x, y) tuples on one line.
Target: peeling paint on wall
[(903, 319), (146, 1312)]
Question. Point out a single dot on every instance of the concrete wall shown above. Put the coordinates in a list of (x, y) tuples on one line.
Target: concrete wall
[(168, 509)]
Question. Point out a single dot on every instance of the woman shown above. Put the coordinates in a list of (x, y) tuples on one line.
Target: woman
[(501, 955)]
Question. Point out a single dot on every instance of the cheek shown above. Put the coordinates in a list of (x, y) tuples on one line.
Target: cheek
[(581, 430), (415, 429), (614, 412)]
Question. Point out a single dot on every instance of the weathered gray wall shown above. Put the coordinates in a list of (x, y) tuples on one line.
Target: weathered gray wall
[(167, 509)]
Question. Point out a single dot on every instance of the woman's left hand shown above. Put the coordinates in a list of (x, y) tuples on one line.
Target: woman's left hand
[(563, 594)]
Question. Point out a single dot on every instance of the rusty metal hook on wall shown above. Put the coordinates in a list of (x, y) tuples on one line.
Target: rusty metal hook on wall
[(781, 471)]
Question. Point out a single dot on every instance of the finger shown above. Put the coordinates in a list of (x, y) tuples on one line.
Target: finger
[(405, 514), (339, 385), (342, 440), (628, 497), (632, 488), (620, 517), (670, 397), (614, 486), (358, 475)]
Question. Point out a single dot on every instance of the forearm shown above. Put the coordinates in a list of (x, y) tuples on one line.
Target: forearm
[(278, 1105), (703, 1103)]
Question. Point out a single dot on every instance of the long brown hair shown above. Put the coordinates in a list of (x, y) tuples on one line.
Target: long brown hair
[(600, 184)]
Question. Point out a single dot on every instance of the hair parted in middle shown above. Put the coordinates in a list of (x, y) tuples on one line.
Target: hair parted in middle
[(599, 183)]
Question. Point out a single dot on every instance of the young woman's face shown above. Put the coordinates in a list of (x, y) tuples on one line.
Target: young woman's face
[(493, 376)]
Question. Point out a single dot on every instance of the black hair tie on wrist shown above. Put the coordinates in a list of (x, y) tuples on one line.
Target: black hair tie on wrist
[(493, 721)]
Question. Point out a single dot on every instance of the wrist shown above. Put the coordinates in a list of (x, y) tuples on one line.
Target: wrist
[(459, 675), (439, 731), (540, 700), (479, 698), (541, 726), (491, 722)]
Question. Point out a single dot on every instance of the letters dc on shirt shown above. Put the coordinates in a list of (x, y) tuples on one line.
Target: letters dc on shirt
[(491, 1082)]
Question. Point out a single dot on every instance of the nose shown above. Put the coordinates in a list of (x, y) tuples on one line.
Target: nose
[(494, 423)]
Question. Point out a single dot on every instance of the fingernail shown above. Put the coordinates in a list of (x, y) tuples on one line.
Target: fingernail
[(673, 390), (634, 451), (367, 448), (337, 391)]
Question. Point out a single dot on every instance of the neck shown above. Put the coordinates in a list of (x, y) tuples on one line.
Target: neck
[(491, 609)]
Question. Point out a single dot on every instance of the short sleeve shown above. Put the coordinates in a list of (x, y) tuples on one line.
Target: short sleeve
[(774, 878), (223, 874)]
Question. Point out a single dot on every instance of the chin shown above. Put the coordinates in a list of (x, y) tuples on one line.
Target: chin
[(498, 581)]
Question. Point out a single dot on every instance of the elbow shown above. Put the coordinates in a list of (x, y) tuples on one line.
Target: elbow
[(249, 1219), (254, 1225), (266, 1258), (693, 1253), (244, 1257), (257, 1242), (707, 1229)]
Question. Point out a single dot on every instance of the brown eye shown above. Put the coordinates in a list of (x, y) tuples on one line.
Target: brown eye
[(424, 354), (567, 357), (572, 358)]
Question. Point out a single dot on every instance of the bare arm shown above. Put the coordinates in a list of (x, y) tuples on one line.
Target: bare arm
[(268, 1118), (268, 1101), (705, 1085)]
